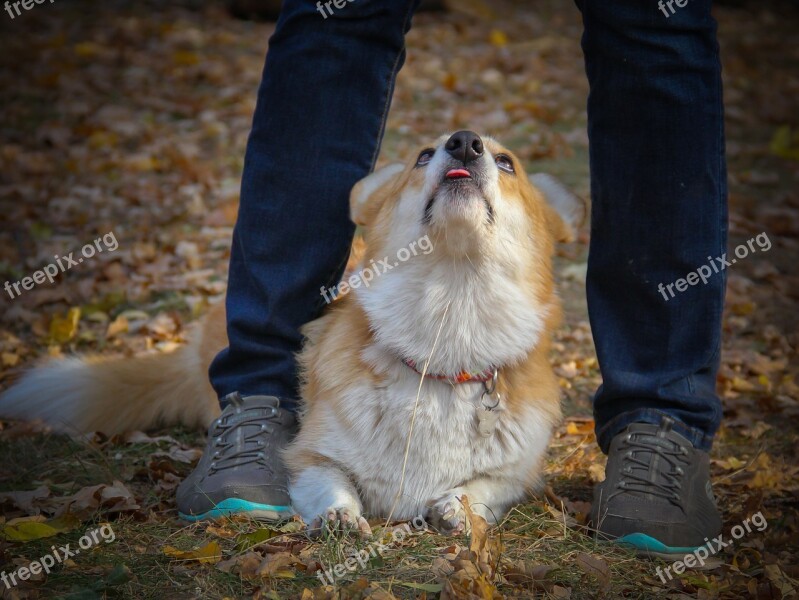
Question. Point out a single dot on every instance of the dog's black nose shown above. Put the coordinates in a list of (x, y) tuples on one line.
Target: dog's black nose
[(464, 146)]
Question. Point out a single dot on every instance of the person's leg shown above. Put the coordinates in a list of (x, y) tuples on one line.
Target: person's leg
[(319, 119), (318, 123), (658, 186)]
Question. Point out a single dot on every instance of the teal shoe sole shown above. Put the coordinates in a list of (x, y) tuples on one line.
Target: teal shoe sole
[(237, 506), (648, 546)]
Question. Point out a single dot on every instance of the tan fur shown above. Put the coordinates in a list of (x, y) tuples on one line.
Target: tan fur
[(159, 389), (116, 395), (139, 393), (332, 355)]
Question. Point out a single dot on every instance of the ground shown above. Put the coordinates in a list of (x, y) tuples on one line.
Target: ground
[(131, 119)]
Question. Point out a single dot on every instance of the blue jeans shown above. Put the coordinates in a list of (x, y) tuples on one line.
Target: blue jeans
[(658, 185)]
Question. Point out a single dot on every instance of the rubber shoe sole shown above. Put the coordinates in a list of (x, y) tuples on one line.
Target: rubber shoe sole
[(645, 545), (237, 506)]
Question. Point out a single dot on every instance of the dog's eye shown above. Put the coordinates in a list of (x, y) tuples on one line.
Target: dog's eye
[(425, 157), (504, 162)]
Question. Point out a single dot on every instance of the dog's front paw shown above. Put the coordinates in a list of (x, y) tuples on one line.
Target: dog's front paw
[(341, 519), (446, 513)]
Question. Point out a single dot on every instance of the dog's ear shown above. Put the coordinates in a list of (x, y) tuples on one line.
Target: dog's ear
[(368, 194), (566, 211)]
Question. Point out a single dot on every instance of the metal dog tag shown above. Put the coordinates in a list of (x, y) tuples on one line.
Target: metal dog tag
[(486, 421)]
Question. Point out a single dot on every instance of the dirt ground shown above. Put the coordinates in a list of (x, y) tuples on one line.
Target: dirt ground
[(132, 118)]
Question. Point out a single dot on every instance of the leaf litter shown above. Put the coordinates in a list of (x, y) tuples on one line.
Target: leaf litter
[(134, 120)]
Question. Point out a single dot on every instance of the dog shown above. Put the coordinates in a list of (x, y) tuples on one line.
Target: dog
[(428, 383)]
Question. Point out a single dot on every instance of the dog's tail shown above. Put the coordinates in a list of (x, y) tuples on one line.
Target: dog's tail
[(78, 395)]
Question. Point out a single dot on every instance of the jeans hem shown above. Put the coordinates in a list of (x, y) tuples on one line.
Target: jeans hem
[(605, 434)]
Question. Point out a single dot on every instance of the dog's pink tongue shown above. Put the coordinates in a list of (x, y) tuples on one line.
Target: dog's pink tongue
[(458, 173)]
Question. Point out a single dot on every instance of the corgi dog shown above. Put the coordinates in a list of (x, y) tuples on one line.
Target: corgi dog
[(427, 383)]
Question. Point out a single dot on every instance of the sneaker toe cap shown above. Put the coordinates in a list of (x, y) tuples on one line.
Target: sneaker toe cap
[(192, 499)]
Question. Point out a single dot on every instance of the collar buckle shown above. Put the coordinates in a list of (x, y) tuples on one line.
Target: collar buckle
[(491, 392)]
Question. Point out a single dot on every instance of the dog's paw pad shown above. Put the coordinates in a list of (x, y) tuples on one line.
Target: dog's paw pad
[(340, 520), (447, 515)]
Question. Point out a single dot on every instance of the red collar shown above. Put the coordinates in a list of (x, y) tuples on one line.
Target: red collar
[(462, 377)]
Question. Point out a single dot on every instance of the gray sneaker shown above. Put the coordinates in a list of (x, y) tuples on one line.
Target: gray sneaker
[(656, 496), (240, 471)]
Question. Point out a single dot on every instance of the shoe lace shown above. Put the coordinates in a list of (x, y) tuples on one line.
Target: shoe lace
[(242, 442), (641, 471)]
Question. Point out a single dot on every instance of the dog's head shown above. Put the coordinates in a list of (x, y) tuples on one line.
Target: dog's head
[(489, 232), (470, 195)]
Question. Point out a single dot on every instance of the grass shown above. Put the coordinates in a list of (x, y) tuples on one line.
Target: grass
[(135, 565)]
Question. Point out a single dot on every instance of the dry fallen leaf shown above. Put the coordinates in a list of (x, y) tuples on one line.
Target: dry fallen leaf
[(220, 530), (210, 553), (97, 498), (139, 437), (498, 38), (117, 326), (580, 428), (184, 455), (596, 567), (278, 565), (596, 472), (470, 572), (63, 329), (478, 539), (245, 565), (25, 500), (528, 574), (9, 359), (36, 528)]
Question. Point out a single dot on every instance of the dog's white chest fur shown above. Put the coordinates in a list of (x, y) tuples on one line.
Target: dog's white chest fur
[(446, 450)]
